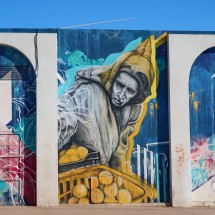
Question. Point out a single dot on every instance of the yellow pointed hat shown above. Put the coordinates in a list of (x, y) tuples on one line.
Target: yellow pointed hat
[(140, 60)]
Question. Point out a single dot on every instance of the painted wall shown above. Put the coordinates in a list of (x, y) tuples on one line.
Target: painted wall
[(46, 132), (112, 147), (113, 117), (18, 129), (191, 121), (202, 127)]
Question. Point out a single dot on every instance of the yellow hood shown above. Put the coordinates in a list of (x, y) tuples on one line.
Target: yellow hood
[(141, 60)]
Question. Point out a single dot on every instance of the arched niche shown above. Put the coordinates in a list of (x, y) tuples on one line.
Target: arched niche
[(18, 132), (46, 87), (183, 51), (202, 126)]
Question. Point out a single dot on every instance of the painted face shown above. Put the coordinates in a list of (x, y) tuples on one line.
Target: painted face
[(124, 89)]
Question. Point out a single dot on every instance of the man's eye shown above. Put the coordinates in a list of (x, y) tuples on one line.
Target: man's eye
[(130, 90)]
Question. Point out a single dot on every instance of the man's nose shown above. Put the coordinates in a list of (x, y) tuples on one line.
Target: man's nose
[(122, 93)]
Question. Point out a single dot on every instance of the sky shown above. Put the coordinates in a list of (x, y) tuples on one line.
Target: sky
[(189, 15)]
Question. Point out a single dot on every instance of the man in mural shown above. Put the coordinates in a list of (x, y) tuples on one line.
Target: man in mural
[(102, 108)]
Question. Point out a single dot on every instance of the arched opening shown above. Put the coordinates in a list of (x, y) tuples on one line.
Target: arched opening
[(202, 118), (17, 128)]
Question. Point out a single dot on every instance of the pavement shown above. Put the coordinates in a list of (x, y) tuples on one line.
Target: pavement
[(105, 210)]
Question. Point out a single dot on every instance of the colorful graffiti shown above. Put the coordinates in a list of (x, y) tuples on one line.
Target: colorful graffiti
[(109, 113), (17, 129), (202, 107)]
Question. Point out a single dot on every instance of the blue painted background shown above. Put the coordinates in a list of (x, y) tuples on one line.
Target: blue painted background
[(82, 48), (202, 118)]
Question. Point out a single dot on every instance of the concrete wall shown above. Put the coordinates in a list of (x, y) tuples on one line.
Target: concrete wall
[(183, 50), (47, 172)]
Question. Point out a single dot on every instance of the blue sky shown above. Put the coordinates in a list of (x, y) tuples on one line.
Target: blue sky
[(148, 14)]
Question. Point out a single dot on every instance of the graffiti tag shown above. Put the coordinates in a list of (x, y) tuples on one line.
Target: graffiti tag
[(180, 158)]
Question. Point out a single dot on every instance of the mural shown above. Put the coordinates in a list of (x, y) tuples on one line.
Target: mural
[(202, 107), (112, 117), (17, 129)]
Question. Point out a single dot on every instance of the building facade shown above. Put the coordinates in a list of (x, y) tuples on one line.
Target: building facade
[(107, 117)]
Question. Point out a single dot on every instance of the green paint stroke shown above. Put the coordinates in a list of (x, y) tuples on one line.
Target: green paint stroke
[(78, 60)]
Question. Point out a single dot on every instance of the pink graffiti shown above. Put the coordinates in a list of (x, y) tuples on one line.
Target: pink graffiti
[(18, 163), (202, 157), (180, 159)]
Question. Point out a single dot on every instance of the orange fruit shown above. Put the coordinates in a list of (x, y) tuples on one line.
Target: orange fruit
[(74, 158), (97, 196), (73, 200), (110, 199), (72, 152), (119, 181), (63, 152), (124, 197), (80, 191), (64, 159), (82, 152), (94, 182), (84, 200), (111, 190), (105, 177)]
